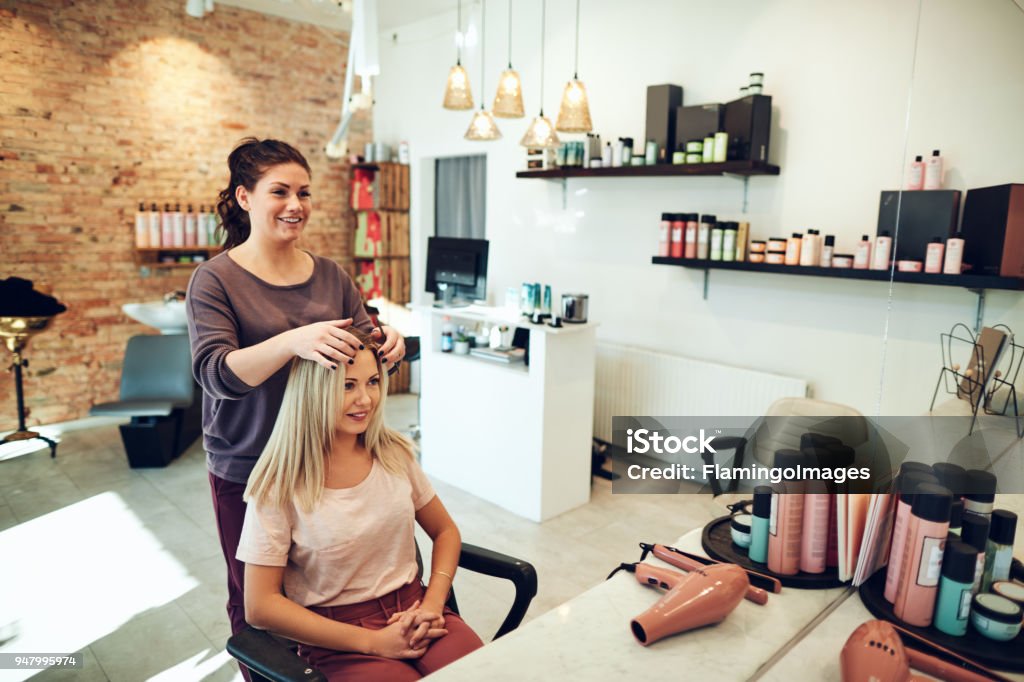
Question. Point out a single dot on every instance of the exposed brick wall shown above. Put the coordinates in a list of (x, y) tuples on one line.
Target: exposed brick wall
[(107, 103)]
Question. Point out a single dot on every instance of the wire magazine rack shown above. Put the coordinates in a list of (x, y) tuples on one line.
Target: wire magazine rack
[(988, 382)]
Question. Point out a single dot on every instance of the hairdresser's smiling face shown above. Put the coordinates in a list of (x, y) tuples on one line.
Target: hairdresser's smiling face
[(280, 204), (361, 394)]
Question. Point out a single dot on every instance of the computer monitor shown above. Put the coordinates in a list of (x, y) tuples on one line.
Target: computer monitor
[(457, 270)]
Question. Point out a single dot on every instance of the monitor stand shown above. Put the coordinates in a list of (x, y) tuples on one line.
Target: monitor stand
[(448, 299)]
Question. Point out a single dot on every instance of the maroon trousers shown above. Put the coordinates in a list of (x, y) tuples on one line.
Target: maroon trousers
[(229, 510), (374, 614)]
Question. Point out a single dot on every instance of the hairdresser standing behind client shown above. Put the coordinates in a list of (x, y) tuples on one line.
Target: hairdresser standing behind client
[(253, 308)]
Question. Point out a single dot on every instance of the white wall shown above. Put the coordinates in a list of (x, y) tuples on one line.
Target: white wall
[(842, 76)]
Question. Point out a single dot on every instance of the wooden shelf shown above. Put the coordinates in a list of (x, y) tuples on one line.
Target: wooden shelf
[(967, 281), (170, 266), (741, 168), (392, 255)]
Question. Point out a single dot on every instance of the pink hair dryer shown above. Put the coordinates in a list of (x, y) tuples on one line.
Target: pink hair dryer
[(704, 596), (875, 653)]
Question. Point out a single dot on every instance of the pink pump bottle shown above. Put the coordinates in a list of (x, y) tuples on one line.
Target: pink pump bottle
[(906, 486), (922, 555), (785, 528)]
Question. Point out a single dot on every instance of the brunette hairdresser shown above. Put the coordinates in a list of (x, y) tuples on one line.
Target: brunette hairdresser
[(253, 308)]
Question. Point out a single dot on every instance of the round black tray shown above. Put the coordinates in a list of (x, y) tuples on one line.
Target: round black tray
[(717, 542), (973, 645)]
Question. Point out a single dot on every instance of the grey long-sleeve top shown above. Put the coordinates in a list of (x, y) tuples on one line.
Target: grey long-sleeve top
[(230, 308)]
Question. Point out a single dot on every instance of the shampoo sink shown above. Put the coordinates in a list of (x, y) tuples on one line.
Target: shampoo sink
[(168, 317)]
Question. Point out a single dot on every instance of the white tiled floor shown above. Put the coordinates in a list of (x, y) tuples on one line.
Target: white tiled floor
[(124, 564)]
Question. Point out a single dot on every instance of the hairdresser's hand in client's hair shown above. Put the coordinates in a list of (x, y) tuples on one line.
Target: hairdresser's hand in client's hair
[(392, 345), (326, 343)]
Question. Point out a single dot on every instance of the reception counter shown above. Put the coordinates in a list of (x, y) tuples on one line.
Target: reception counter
[(515, 435)]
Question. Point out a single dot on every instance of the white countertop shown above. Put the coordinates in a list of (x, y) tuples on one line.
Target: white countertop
[(588, 637)]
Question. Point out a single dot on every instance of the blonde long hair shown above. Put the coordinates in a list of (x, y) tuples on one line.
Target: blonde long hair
[(291, 467)]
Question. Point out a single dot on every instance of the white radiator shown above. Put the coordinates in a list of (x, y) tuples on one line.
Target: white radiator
[(635, 382)]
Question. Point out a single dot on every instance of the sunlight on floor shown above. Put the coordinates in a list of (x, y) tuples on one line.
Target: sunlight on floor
[(196, 668), (61, 594)]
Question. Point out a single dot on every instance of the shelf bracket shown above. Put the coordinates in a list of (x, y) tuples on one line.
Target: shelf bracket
[(746, 186), (707, 276), (980, 315)]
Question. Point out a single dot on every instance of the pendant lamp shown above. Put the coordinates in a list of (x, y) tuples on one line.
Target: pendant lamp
[(457, 94), (574, 114), (541, 134), (508, 101), (482, 128)]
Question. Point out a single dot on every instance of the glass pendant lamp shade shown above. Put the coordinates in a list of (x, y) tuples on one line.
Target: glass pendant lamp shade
[(457, 94), (574, 114), (482, 128), (508, 102), (540, 135)]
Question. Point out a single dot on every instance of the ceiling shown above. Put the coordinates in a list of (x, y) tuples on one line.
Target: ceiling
[(326, 13)]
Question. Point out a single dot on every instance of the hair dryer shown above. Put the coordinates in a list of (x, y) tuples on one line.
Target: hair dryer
[(704, 596), (875, 653)]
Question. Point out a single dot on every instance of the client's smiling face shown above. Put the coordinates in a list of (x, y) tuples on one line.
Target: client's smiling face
[(361, 394)]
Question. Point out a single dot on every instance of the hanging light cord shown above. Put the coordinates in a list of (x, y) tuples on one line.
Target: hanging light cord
[(483, 37), (543, 15), (510, 34), (458, 34), (576, 64)]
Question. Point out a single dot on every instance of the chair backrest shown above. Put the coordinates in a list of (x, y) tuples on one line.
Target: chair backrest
[(158, 368), (792, 417)]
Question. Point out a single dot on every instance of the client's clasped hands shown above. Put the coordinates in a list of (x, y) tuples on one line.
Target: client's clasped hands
[(409, 633)]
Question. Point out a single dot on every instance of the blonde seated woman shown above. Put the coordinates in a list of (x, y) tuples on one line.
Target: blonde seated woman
[(330, 559)]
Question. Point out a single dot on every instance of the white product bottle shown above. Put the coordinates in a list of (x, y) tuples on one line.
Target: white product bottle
[(606, 155), (141, 227), (915, 179), (721, 147), (827, 251), (862, 256), (933, 256), (954, 255), (883, 249), (154, 226), (933, 171), (178, 227)]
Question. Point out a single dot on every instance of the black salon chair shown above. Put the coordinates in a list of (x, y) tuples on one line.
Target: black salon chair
[(269, 658), (161, 397)]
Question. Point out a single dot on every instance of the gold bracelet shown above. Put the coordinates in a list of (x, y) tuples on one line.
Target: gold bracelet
[(447, 575)]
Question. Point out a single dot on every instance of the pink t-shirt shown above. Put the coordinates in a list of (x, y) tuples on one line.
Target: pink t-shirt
[(356, 545)]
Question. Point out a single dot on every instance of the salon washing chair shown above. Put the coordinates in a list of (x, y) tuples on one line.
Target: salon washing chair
[(269, 658), (160, 396)]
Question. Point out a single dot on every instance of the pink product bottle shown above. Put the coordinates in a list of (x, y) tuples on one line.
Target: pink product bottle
[(690, 248), (862, 256), (167, 227), (810, 249), (933, 171), (666, 238), (707, 222), (933, 257), (915, 179), (793, 245), (141, 227), (883, 249), (785, 527), (814, 539), (922, 555), (190, 227), (954, 255), (906, 485), (832, 549), (154, 226)]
